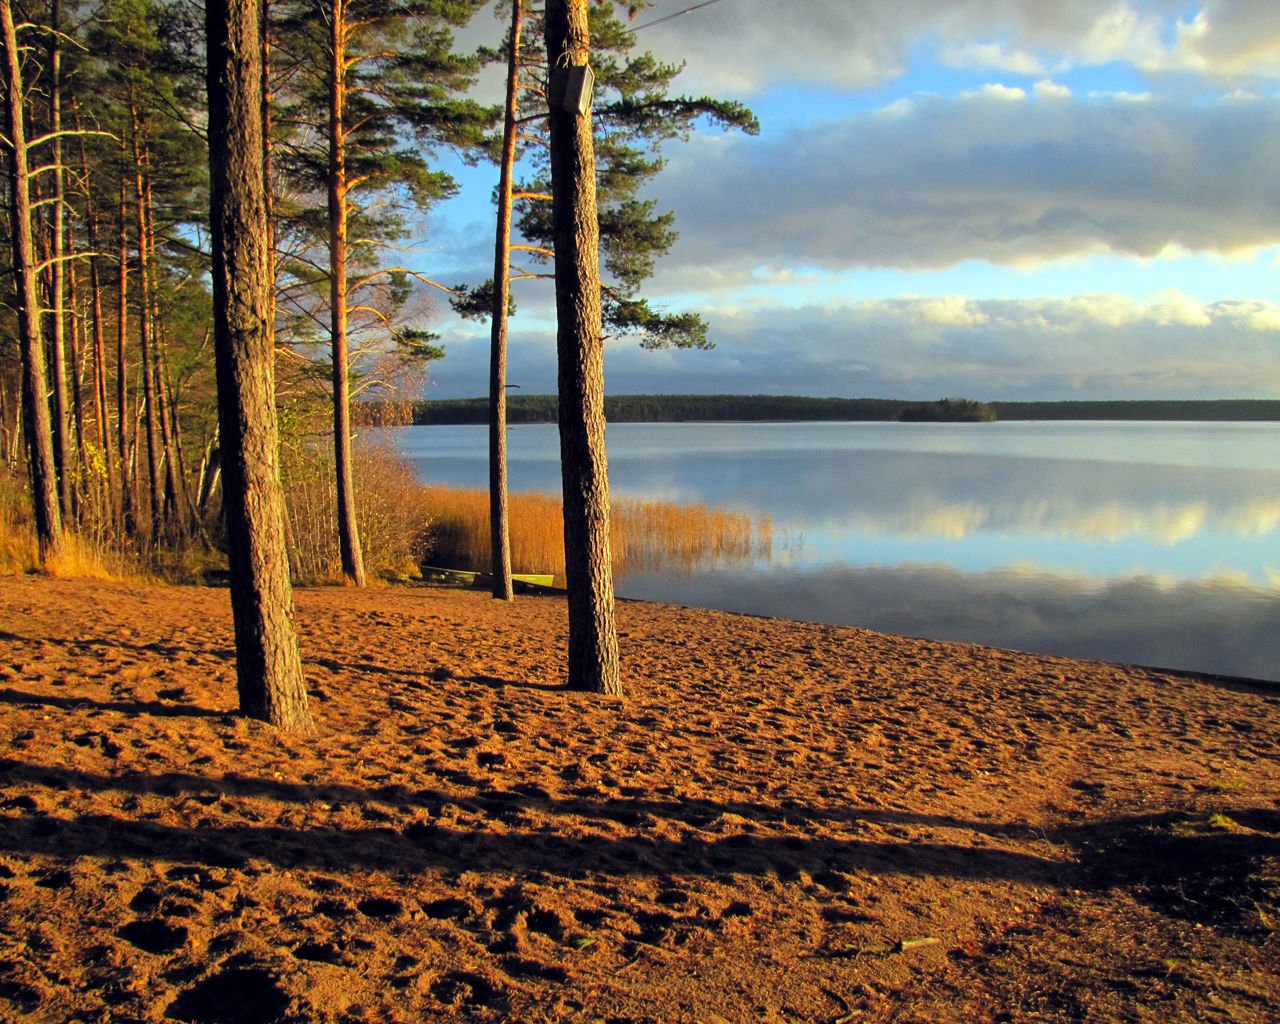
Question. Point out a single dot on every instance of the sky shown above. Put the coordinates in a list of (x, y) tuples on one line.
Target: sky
[(995, 199)]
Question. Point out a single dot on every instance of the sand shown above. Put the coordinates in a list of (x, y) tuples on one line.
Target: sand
[(781, 822)]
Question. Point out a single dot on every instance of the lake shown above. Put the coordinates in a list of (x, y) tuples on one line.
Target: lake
[(1147, 543)]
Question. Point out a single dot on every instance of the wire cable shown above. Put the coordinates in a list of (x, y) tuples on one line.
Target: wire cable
[(672, 17)]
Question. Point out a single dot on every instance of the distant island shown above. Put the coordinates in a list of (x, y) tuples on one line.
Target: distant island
[(784, 408)]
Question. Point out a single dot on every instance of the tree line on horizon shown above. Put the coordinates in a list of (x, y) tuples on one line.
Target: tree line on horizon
[(797, 408), (198, 290)]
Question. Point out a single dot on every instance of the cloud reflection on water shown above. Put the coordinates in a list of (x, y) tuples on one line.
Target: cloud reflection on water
[(1202, 626)]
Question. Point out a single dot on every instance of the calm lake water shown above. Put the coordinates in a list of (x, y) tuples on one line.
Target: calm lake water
[(1149, 543)]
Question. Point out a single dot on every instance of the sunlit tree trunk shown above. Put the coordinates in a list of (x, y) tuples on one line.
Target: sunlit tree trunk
[(128, 503), (10, 425), (499, 516), (101, 415), (268, 667), (57, 274), (35, 408), (165, 416), (150, 419), (593, 638), (77, 349), (348, 532)]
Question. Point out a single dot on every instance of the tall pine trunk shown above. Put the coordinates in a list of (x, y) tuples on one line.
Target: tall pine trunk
[(101, 416), (35, 408), (165, 416), (77, 351), (128, 492), (499, 514), (593, 637), (57, 276), (267, 664), (348, 531), (149, 400)]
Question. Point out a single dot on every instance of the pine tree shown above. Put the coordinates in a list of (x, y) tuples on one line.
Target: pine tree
[(267, 664), (36, 421), (593, 636), (630, 126), (387, 96)]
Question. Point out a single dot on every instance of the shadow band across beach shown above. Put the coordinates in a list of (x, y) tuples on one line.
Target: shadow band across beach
[(429, 843), (1109, 852)]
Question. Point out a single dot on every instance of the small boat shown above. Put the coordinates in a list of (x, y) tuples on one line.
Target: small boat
[(467, 578)]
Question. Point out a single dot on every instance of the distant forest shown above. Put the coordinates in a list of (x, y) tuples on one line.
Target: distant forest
[(720, 408)]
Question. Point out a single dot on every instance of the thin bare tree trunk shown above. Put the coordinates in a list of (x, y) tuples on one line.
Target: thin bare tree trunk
[(165, 416), (101, 415), (35, 409), (593, 637), (348, 531), (268, 667), (10, 426), (128, 505), (77, 376), (150, 420), (57, 275), (268, 171), (499, 514)]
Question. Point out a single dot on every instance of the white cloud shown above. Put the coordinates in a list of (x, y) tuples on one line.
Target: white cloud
[(1094, 346), (1048, 89), (992, 57), (995, 91), (1121, 96), (858, 43), (949, 311), (1173, 307), (1018, 184), (1121, 33), (1229, 39), (1260, 316)]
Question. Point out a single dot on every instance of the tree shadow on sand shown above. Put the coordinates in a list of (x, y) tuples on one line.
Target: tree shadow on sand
[(639, 810), (1220, 870), (226, 654), (1220, 873), (422, 846), (127, 707)]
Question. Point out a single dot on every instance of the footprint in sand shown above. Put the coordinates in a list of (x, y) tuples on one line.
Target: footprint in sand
[(242, 995), (154, 935)]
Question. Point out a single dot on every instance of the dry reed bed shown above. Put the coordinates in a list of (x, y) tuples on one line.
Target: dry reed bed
[(644, 535)]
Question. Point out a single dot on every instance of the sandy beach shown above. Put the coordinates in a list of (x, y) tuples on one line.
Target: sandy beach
[(780, 822)]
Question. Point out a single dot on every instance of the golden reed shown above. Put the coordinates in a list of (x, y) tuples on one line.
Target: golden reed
[(645, 534)]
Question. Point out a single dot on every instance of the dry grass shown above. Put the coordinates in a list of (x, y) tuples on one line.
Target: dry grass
[(82, 558), (18, 551), (645, 534), (390, 513), (92, 548)]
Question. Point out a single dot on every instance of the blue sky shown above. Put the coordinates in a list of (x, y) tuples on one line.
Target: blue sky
[(1003, 199)]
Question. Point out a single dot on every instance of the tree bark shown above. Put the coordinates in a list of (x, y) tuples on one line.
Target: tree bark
[(57, 276), (149, 401), (348, 531), (267, 664), (101, 415), (36, 423), (166, 417), (128, 503), (593, 638), (499, 514), (78, 337)]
